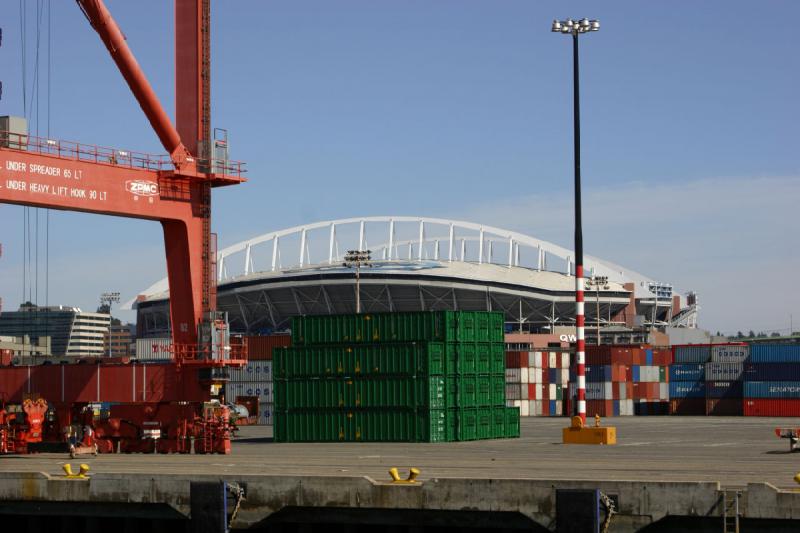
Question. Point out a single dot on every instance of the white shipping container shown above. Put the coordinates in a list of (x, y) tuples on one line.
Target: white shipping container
[(724, 371), (535, 408), (535, 359), (559, 407), (261, 390), (553, 360), (253, 371), (523, 375), (524, 408), (512, 375), (564, 376), (523, 391), (663, 391), (537, 391), (154, 349), (534, 375), (626, 407), (512, 391), (266, 413), (730, 354), (646, 373)]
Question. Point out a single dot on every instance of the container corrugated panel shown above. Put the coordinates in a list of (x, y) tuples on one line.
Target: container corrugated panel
[(259, 370), (723, 371), (775, 353), (361, 426), (512, 422), (692, 354), (265, 414), (771, 407), (687, 372), (771, 372), (513, 375), (687, 406), (446, 326), (687, 389), (730, 353), (599, 390), (598, 373), (154, 349), (723, 389), (772, 389), (260, 347), (261, 390), (724, 407)]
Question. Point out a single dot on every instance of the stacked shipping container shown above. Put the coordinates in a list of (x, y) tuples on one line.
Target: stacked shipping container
[(772, 380), (252, 385), (625, 380), (429, 377), (723, 379), (537, 381), (687, 383)]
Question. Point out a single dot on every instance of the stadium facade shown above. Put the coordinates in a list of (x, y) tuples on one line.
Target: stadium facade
[(420, 264)]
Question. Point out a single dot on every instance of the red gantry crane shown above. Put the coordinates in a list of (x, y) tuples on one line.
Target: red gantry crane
[(174, 190)]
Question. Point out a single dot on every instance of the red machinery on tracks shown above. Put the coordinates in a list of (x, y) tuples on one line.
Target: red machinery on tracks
[(170, 410)]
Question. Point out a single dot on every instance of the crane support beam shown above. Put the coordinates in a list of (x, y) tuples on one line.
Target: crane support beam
[(111, 35)]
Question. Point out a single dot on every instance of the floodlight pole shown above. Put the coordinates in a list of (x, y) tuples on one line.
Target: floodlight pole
[(575, 28)]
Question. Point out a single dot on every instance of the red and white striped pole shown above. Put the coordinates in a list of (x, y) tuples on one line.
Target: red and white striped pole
[(575, 28)]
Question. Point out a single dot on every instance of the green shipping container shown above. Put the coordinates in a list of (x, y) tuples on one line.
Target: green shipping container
[(498, 430), (376, 425), (443, 326), (512, 422), (662, 374)]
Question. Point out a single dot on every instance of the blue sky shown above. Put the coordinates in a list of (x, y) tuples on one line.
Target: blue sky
[(458, 109)]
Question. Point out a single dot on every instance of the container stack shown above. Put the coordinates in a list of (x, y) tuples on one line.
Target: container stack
[(537, 382), (252, 385), (687, 380), (625, 380), (772, 380), (403, 377), (154, 349), (723, 379)]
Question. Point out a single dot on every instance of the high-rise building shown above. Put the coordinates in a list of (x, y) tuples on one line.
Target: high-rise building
[(73, 332), (121, 337)]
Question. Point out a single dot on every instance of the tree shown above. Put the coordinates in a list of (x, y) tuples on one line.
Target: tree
[(751, 334), (775, 334), (739, 335)]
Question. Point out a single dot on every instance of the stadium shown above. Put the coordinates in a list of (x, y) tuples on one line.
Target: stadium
[(420, 264)]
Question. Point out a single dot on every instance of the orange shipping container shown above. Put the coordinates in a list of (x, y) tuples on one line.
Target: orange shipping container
[(259, 347)]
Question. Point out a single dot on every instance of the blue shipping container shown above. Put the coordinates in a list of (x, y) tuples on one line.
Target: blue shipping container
[(598, 373), (724, 389), (772, 389), (648, 357), (695, 372), (552, 407), (775, 353), (637, 373), (552, 375), (692, 354), (687, 389), (771, 372), (615, 407)]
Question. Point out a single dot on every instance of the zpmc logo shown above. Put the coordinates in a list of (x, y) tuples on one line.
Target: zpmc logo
[(142, 187)]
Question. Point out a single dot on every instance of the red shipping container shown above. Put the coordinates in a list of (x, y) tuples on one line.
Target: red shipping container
[(545, 394), (688, 407), (771, 407), (259, 348), (653, 391), (724, 407), (599, 407), (514, 359), (533, 390)]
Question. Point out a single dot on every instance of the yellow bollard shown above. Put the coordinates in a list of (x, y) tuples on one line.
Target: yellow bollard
[(410, 480), (797, 477), (577, 433), (69, 474)]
